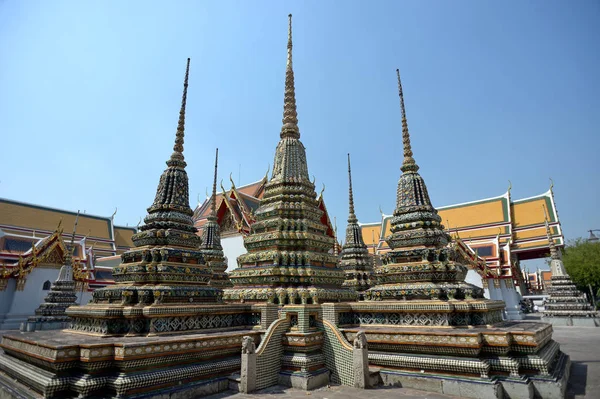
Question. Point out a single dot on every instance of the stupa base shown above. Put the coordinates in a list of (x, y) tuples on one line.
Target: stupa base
[(68, 365)]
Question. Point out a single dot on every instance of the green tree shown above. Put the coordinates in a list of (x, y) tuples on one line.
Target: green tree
[(582, 261)]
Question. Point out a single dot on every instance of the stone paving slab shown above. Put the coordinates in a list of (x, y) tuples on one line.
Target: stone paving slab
[(334, 392)]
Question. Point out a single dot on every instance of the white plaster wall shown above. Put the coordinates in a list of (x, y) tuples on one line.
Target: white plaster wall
[(27, 301), (83, 297), (232, 248), (6, 298), (474, 278)]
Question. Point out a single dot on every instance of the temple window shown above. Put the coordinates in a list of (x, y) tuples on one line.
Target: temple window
[(15, 245), (46, 286), (487, 250)]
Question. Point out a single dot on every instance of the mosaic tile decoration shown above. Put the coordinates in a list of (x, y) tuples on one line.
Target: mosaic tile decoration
[(269, 354), (338, 354)]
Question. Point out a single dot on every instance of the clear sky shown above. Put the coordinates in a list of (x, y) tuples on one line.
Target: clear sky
[(494, 91)]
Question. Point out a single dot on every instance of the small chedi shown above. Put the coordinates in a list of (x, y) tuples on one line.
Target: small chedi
[(288, 259), (566, 304), (355, 259), (211, 247), (51, 314)]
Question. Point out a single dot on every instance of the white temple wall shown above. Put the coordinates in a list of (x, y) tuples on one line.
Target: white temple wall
[(232, 248), (24, 303), (83, 297), (6, 300), (474, 278)]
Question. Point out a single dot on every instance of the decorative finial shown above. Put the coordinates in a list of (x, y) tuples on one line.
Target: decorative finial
[(58, 228), (140, 222), (112, 217), (509, 186), (409, 164), (381, 211), (351, 215), (213, 201), (266, 178), (290, 116), (322, 190), (551, 184), (177, 156), (72, 247)]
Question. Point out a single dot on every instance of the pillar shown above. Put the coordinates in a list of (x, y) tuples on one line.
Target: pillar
[(248, 369), (360, 361)]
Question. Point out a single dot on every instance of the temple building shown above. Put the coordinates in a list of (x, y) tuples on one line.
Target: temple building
[(32, 251)]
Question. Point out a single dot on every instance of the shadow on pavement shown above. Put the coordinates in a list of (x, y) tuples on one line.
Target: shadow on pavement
[(578, 379)]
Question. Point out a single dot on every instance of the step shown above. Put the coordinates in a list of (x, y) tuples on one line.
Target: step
[(234, 382), (374, 378)]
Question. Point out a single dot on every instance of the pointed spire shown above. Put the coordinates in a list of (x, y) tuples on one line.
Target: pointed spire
[(213, 201), (177, 156), (351, 215), (409, 164), (290, 116), (553, 250)]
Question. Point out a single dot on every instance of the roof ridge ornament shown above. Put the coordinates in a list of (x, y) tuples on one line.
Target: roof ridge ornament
[(409, 164), (177, 155), (290, 114)]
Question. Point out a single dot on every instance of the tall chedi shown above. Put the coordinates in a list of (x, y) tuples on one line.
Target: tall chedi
[(566, 304), (420, 265), (165, 266), (355, 259), (211, 247), (288, 259)]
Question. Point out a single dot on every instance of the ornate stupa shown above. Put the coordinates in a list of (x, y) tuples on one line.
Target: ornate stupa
[(211, 241), (419, 265), (355, 260), (51, 314), (566, 304), (165, 266), (288, 259)]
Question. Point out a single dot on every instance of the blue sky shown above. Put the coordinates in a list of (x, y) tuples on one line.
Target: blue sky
[(494, 91)]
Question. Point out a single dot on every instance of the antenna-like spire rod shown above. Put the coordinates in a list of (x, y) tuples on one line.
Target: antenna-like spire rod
[(351, 215), (290, 115), (409, 164), (553, 251), (177, 155), (214, 190)]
